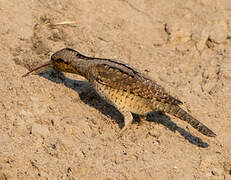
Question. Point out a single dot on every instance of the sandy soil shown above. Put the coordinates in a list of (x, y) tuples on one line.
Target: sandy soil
[(54, 126)]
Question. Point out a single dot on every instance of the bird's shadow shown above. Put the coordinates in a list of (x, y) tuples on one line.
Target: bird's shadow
[(89, 96)]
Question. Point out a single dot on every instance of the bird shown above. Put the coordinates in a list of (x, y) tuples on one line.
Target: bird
[(123, 87)]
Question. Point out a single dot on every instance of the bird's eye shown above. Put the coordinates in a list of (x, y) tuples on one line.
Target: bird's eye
[(62, 61), (59, 60)]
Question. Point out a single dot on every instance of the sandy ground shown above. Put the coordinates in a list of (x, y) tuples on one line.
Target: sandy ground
[(54, 126)]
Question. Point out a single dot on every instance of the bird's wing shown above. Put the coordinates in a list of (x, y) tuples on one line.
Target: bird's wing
[(122, 77)]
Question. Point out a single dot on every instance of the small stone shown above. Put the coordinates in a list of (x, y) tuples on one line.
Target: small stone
[(68, 130), (201, 39), (40, 130), (69, 170), (52, 122), (53, 146), (219, 32), (178, 34), (218, 171), (25, 113), (226, 70)]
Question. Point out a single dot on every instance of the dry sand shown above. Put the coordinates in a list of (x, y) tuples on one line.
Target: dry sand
[(54, 126)]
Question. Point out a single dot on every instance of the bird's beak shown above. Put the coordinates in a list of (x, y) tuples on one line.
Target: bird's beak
[(47, 65)]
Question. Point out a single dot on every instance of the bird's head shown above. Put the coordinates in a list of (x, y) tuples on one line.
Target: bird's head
[(62, 60)]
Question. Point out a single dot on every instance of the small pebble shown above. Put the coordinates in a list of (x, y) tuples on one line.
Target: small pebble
[(40, 130)]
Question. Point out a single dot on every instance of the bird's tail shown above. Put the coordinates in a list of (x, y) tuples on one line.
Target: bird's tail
[(177, 111)]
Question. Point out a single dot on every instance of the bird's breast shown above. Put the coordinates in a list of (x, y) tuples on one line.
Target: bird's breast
[(122, 99)]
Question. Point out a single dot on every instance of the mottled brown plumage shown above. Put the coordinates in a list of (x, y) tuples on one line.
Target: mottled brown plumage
[(122, 86)]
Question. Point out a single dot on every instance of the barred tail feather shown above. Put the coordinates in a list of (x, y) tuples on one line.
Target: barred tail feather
[(176, 111)]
